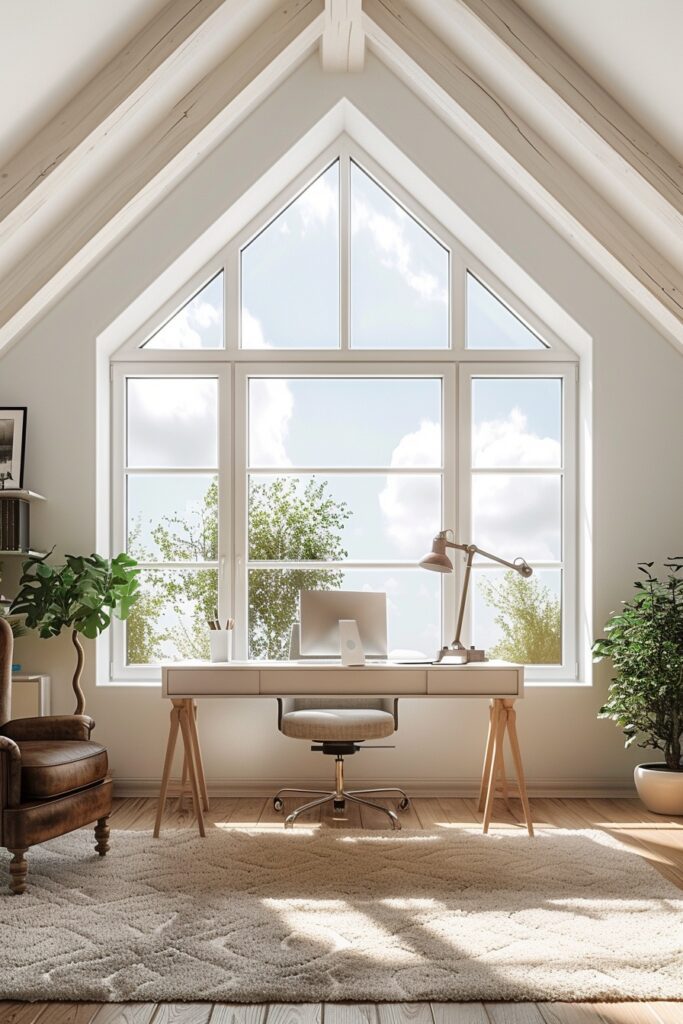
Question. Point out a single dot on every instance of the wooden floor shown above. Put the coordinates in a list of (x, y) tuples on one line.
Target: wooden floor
[(658, 839)]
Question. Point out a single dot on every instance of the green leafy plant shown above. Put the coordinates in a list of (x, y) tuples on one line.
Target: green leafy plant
[(287, 520), (81, 595), (645, 644), (529, 618)]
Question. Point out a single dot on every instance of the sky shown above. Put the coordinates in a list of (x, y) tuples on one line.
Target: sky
[(399, 289)]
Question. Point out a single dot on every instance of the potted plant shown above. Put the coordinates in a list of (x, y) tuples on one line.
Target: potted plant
[(80, 595), (645, 644)]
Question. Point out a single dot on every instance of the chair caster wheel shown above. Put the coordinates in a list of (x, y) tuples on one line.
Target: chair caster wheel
[(339, 806), (404, 804), (278, 804), (288, 823)]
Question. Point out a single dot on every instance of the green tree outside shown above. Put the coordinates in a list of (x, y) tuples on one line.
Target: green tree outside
[(285, 522), (529, 618)]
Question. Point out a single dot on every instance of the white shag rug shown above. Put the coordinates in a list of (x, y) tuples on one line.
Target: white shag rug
[(250, 916)]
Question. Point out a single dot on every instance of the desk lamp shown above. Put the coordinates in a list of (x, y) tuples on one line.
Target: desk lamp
[(438, 561)]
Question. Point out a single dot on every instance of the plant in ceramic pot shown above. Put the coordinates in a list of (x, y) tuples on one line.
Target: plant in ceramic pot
[(645, 644), (81, 595)]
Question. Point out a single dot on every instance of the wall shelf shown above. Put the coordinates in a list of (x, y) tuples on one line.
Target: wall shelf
[(24, 554), (23, 494)]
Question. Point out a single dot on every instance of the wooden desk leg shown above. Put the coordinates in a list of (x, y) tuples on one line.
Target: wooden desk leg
[(511, 716), (192, 715), (496, 762), (490, 740), (183, 784), (186, 714), (168, 764)]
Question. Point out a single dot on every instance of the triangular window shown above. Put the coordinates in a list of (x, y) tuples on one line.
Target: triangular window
[(399, 274), (196, 325), (492, 325), (290, 273)]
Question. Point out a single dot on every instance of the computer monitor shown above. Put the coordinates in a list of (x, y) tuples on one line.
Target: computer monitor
[(321, 610)]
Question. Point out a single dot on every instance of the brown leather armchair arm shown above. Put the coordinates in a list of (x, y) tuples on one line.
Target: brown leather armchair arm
[(10, 773), (49, 727)]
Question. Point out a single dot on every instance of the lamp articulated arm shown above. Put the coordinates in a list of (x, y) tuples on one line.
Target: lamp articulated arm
[(438, 560)]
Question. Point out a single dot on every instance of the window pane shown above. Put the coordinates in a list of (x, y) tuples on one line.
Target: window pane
[(369, 518), (490, 324), (516, 619), (516, 422), (399, 274), (413, 606), (172, 421), (518, 516), (173, 518), (337, 421), (169, 620), (290, 273), (199, 324)]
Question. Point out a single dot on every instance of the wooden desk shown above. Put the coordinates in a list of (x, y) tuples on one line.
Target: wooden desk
[(184, 683)]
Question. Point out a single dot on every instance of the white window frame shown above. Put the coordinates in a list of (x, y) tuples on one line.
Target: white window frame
[(121, 373), (446, 469), (455, 364), (569, 563)]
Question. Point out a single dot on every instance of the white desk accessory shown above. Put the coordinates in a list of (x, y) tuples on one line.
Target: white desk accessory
[(350, 647)]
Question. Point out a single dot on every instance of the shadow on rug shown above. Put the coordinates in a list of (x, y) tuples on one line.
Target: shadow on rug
[(253, 916)]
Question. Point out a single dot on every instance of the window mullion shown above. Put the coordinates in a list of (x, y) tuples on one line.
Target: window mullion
[(344, 252)]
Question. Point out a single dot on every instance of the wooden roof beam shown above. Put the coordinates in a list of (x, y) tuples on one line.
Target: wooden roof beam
[(138, 177), (487, 121), (342, 47)]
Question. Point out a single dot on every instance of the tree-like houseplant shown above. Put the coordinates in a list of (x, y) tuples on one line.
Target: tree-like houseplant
[(645, 644), (81, 595)]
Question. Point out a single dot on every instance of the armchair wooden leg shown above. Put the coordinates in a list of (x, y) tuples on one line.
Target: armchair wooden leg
[(18, 871), (102, 836)]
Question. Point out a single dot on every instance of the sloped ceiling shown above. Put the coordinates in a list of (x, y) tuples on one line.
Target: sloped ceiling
[(632, 48), (191, 69), (51, 50), (56, 48)]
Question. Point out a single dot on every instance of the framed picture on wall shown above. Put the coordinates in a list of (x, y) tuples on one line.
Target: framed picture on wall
[(12, 447)]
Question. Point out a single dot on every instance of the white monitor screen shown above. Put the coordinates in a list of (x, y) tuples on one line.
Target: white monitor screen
[(321, 611)]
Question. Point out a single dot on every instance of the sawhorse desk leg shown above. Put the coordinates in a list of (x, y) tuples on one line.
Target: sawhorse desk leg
[(184, 720), (502, 720)]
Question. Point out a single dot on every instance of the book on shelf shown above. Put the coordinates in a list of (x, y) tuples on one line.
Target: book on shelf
[(14, 524)]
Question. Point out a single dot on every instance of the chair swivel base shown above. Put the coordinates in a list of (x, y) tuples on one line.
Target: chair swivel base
[(339, 796)]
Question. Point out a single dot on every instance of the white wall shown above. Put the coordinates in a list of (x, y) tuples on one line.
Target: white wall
[(638, 475)]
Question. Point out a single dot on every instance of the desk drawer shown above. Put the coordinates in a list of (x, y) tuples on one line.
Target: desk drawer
[(342, 681), (479, 682), (205, 681)]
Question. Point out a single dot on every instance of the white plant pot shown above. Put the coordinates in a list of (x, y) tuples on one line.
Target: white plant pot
[(660, 789)]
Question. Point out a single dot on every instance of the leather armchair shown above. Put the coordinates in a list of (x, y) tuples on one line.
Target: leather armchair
[(53, 777)]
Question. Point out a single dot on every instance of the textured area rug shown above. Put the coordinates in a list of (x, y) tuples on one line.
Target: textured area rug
[(249, 916)]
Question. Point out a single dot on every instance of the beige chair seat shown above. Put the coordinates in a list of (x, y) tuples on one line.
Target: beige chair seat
[(337, 724)]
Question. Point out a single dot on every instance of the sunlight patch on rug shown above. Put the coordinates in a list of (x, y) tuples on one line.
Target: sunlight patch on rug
[(253, 915)]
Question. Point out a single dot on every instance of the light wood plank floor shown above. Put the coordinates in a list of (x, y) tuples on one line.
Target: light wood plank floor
[(658, 839)]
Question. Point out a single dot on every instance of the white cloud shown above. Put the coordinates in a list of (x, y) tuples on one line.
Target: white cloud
[(317, 204), (394, 249), (516, 516), (508, 442), (184, 330), (411, 506), (172, 421)]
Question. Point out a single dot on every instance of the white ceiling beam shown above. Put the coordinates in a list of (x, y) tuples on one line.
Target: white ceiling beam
[(342, 47), (521, 156), (137, 178), (92, 113), (575, 115)]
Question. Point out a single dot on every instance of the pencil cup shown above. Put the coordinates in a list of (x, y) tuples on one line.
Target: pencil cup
[(220, 644)]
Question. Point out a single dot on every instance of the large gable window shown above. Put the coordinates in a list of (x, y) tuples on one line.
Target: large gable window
[(364, 384)]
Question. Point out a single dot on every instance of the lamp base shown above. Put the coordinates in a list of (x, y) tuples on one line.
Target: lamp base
[(456, 654)]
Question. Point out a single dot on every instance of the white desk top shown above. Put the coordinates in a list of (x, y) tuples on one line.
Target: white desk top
[(189, 679)]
